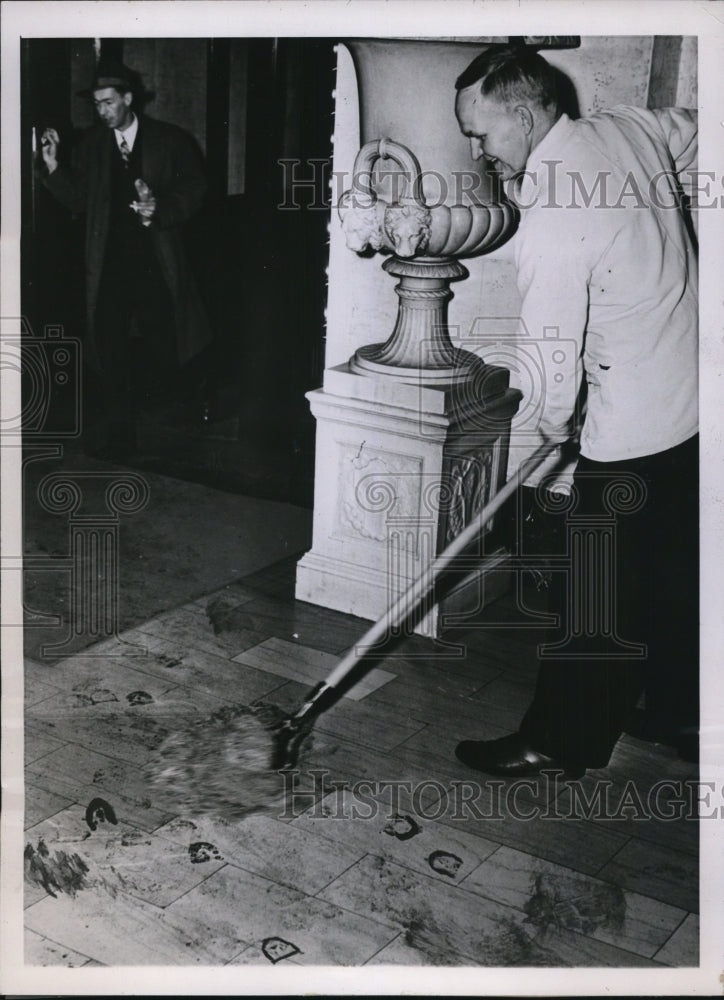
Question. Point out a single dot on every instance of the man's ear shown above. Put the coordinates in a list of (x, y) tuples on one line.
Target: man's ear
[(525, 117), (128, 98)]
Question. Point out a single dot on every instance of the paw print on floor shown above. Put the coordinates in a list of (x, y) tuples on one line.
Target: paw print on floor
[(445, 863), (99, 811), (139, 698), (202, 851), (401, 827), (276, 949), (96, 697)]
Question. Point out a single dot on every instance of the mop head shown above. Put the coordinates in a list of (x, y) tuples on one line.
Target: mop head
[(220, 766)]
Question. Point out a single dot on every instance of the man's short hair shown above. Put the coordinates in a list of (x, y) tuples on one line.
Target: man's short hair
[(510, 74)]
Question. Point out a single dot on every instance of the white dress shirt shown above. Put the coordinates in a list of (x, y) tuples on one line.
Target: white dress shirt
[(607, 271), (129, 134)]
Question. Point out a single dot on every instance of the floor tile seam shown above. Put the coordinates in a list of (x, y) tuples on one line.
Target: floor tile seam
[(349, 867), (412, 716), (382, 695), (528, 849), (469, 962), (276, 880), (402, 744), (464, 667), (687, 914), (111, 793), (44, 819), (59, 944), (692, 852), (247, 871), (108, 826), (223, 654), (285, 886), (608, 944), (158, 675), (110, 674), (69, 779), (26, 906), (319, 725), (370, 960), (455, 886), (197, 885), (610, 881), (592, 937), (594, 878), (35, 760), (54, 692), (520, 909), (476, 693), (93, 749), (461, 954), (627, 841)]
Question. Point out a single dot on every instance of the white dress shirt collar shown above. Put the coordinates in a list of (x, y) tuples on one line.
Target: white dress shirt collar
[(523, 190), (129, 134)]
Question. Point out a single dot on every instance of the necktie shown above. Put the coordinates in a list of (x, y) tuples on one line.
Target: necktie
[(125, 150)]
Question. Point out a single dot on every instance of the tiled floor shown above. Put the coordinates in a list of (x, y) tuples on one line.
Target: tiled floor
[(388, 852)]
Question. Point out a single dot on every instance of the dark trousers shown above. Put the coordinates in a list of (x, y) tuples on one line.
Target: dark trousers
[(585, 698), (133, 299)]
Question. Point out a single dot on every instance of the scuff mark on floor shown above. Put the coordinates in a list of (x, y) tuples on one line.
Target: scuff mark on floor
[(96, 697), (225, 614), (168, 661), (583, 909), (60, 873)]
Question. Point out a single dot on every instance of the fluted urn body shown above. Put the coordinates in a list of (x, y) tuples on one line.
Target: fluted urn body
[(418, 195)]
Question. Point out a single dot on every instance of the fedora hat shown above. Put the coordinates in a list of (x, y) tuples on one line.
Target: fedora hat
[(114, 74)]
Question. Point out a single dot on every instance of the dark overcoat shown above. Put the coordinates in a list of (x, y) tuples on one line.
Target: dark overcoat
[(173, 169)]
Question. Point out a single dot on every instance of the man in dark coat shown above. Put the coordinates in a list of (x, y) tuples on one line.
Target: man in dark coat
[(138, 181)]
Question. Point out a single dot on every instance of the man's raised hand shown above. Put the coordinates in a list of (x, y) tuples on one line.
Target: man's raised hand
[(49, 142)]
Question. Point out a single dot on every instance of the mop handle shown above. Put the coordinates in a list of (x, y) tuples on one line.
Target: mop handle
[(416, 593)]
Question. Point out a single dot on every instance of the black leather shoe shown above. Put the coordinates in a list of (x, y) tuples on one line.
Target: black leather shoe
[(510, 757)]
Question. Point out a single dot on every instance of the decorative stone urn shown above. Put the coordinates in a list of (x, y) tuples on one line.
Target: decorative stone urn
[(412, 431), (427, 242)]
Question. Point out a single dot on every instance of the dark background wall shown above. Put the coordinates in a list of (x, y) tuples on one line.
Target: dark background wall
[(250, 103)]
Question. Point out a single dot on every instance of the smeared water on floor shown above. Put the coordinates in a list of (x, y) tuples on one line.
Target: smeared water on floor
[(59, 872)]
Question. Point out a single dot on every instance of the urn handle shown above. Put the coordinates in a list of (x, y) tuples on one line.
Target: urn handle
[(368, 222), (388, 149)]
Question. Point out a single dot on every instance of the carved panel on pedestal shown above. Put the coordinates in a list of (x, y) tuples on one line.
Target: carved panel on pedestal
[(375, 487), (468, 479)]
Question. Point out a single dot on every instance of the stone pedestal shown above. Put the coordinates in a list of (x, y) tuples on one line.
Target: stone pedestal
[(401, 468)]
